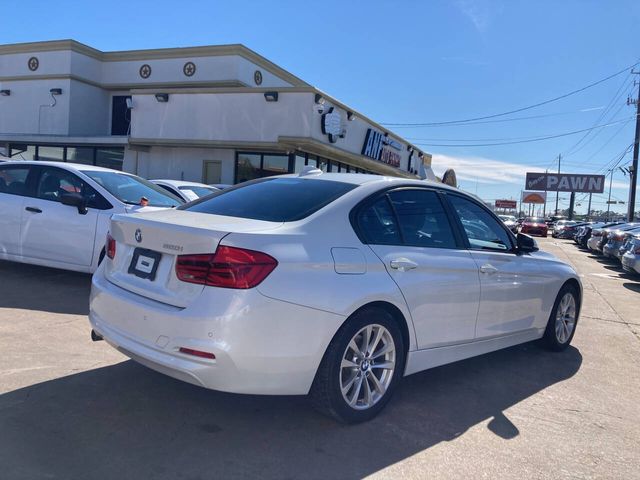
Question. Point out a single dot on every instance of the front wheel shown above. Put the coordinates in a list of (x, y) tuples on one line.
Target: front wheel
[(563, 320), (361, 367)]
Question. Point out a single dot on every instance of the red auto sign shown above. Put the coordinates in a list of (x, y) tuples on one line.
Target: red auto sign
[(506, 204)]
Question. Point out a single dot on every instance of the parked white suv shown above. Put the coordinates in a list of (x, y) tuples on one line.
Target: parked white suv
[(333, 285), (57, 214)]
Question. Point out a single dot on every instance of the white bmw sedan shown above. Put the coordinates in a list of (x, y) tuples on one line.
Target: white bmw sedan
[(57, 214), (332, 285)]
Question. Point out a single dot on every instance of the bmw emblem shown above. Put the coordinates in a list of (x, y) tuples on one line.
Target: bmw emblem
[(138, 235)]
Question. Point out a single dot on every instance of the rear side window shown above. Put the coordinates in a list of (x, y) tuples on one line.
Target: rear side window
[(378, 225), (273, 200), (13, 180)]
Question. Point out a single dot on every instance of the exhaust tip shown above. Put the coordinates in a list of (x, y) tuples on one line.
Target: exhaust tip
[(95, 337)]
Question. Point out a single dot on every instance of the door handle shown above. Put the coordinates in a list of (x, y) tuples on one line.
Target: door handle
[(402, 264), (33, 209), (488, 269)]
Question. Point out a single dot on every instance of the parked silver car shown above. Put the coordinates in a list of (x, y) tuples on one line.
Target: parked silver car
[(615, 240), (631, 258)]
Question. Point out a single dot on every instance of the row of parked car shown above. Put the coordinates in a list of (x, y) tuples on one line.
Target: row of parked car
[(618, 241)]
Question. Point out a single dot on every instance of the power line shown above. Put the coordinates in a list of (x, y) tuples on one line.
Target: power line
[(626, 83), (529, 117), (532, 139), (485, 117)]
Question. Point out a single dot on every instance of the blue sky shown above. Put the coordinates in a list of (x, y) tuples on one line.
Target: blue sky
[(413, 62)]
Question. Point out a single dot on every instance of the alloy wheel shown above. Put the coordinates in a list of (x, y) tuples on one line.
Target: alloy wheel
[(367, 367), (565, 318)]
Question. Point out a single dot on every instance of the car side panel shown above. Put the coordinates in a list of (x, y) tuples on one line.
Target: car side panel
[(306, 275)]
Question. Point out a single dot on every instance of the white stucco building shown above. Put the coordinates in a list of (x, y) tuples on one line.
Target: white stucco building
[(216, 114)]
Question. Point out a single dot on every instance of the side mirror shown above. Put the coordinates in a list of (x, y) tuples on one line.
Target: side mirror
[(75, 200), (526, 244)]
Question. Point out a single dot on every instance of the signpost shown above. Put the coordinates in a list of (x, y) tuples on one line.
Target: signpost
[(565, 182)]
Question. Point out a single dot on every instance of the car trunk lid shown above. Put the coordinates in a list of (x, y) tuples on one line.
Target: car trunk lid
[(148, 245)]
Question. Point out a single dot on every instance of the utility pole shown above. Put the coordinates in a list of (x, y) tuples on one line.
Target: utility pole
[(589, 208), (544, 208), (557, 192), (634, 167), (609, 200)]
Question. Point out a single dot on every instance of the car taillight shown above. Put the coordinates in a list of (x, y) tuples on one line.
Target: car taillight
[(110, 247), (229, 267)]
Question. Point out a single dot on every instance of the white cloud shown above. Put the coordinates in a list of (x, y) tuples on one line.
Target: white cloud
[(482, 170), (477, 12), (488, 171)]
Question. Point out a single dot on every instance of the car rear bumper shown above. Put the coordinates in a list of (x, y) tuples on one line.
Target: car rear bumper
[(261, 345), (631, 263)]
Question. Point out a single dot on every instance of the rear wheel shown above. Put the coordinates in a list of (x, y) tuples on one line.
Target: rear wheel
[(361, 367), (563, 320)]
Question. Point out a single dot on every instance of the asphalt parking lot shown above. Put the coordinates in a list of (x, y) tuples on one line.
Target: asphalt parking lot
[(74, 409)]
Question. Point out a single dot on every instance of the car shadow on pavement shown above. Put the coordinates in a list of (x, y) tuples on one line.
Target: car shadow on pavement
[(634, 287), (124, 421), (49, 289)]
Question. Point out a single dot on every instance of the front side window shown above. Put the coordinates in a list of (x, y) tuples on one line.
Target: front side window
[(423, 220), (482, 229), (130, 189), (13, 180), (55, 182)]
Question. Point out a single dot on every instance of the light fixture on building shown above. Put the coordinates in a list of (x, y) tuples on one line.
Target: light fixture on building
[(5, 93), (162, 97), (271, 96), (129, 103), (55, 91), (351, 116), (319, 99)]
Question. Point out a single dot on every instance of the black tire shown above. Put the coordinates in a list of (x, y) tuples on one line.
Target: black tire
[(326, 395), (550, 339)]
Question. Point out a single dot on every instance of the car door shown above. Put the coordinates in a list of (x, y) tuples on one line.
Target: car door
[(409, 230), (53, 231), (13, 188), (511, 284)]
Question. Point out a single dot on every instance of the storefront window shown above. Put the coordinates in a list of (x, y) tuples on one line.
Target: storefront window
[(82, 155), (299, 164), (110, 157), (51, 153), (247, 167), (23, 152), (312, 160), (323, 164), (275, 165)]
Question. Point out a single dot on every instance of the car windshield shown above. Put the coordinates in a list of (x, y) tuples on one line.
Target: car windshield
[(507, 218), (534, 220), (273, 200), (130, 189), (198, 191)]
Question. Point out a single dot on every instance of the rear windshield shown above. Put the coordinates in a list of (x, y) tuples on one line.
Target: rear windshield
[(534, 220), (130, 189), (273, 200), (198, 190)]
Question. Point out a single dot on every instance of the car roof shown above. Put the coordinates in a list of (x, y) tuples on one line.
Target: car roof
[(368, 178), (180, 183), (64, 165)]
